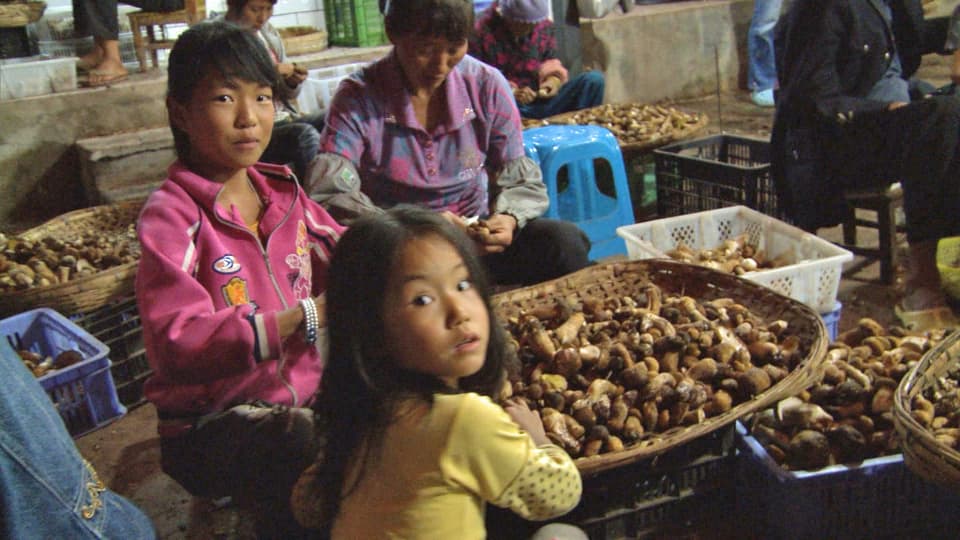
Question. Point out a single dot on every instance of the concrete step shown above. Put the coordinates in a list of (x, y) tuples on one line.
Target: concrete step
[(125, 166)]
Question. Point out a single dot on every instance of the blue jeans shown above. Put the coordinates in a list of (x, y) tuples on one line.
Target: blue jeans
[(581, 92), (47, 490), (762, 67)]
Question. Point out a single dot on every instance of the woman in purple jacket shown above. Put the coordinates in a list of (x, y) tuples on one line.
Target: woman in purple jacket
[(432, 126)]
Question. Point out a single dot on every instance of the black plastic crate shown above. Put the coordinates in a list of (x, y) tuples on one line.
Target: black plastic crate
[(686, 488), (118, 326), (16, 43), (715, 172)]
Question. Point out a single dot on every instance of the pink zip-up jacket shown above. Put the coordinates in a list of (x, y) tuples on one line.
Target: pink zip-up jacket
[(209, 290)]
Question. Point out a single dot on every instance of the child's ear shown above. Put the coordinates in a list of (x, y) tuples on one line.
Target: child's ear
[(177, 113)]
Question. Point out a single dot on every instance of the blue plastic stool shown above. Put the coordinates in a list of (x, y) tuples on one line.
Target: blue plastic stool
[(597, 214)]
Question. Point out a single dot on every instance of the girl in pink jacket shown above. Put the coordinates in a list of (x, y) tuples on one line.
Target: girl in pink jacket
[(234, 259)]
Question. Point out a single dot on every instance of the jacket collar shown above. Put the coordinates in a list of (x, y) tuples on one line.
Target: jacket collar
[(277, 196), (399, 109)]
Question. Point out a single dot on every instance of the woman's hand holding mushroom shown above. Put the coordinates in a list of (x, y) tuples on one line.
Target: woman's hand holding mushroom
[(498, 233)]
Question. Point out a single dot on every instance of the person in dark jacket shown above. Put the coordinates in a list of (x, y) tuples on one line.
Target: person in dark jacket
[(844, 120)]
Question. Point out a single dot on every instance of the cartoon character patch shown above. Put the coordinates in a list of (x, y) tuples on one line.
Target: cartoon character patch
[(235, 292), (226, 265), (300, 262)]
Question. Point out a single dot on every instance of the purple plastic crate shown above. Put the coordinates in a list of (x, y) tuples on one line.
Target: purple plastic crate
[(83, 393)]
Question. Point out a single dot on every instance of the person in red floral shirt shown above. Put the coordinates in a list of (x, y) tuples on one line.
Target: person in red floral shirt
[(516, 37)]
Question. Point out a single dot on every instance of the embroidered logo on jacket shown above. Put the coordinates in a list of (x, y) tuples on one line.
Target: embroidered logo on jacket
[(235, 292), (226, 265), (302, 278)]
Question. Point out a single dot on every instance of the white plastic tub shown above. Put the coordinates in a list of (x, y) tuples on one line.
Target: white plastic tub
[(813, 276), (36, 76)]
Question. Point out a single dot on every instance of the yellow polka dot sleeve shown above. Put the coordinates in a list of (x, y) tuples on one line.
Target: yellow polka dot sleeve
[(549, 485), (488, 454)]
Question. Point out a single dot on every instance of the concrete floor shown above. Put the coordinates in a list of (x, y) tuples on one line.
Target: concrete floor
[(126, 453)]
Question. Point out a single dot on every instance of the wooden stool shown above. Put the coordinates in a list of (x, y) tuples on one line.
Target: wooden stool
[(884, 203), (150, 32)]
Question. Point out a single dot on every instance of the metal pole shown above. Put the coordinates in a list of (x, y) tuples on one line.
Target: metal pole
[(716, 63)]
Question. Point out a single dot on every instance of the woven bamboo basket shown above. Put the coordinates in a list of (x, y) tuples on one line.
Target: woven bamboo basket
[(662, 139), (17, 14), (674, 278), (922, 453), (84, 293), (300, 40)]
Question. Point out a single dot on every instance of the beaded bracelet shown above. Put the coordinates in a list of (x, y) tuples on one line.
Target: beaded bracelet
[(311, 321)]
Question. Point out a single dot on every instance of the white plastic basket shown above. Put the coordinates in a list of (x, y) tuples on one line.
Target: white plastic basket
[(813, 276), (74, 47), (321, 85)]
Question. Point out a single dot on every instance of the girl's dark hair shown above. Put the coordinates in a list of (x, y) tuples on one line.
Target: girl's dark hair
[(450, 19), (234, 7), (360, 385), (215, 47)]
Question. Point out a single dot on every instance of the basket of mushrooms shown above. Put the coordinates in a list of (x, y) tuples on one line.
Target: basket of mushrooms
[(626, 360), (927, 414), (74, 263), (638, 127)]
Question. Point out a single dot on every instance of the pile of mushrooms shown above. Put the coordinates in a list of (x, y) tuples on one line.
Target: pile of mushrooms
[(106, 242), (735, 256), (634, 123), (847, 416), (938, 408), (608, 372)]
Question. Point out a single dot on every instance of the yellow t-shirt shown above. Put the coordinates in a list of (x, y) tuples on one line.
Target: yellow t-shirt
[(439, 466)]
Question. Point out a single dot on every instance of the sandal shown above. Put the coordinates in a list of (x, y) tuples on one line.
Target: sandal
[(104, 78), (922, 320)]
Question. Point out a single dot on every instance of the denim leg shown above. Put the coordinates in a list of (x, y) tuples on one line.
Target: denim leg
[(762, 66), (47, 490), (581, 92), (294, 144)]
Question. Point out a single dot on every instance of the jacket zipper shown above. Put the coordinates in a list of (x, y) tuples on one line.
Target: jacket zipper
[(273, 280)]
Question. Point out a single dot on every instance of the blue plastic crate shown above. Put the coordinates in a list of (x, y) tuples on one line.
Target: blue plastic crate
[(878, 498), (832, 321), (83, 393)]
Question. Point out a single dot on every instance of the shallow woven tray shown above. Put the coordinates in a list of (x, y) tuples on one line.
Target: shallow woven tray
[(632, 148), (702, 284), (300, 40), (84, 293), (922, 453), (17, 14)]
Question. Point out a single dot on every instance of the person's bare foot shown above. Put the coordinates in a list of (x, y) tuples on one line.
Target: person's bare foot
[(90, 60), (921, 283), (108, 72)]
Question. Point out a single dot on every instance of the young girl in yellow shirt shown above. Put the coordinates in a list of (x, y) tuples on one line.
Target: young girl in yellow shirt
[(415, 443)]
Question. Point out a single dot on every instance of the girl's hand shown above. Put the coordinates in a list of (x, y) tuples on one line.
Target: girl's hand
[(321, 302), (292, 74), (524, 95), (894, 105), (528, 420), (550, 87)]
